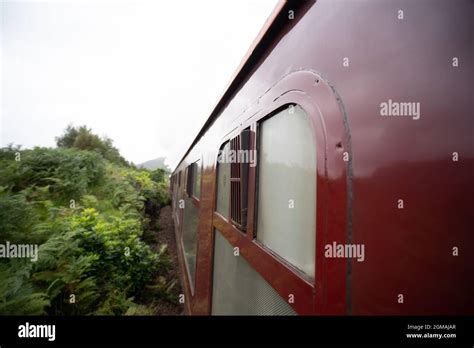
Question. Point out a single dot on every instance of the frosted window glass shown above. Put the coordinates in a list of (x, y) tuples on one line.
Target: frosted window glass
[(287, 177), (223, 184), (189, 235), (197, 179), (240, 290)]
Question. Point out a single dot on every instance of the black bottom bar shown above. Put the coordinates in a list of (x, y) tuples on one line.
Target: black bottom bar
[(224, 330)]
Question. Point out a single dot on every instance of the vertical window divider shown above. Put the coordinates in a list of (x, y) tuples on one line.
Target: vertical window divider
[(229, 213), (252, 183), (236, 183)]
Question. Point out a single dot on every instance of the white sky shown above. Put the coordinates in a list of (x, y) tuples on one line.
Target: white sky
[(145, 73)]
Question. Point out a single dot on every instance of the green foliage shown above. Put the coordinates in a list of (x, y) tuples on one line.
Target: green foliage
[(68, 138), (119, 250), (87, 209), (17, 217), (67, 173), (139, 310), (117, 303), (17, 295), (158, 175), (82, 138)]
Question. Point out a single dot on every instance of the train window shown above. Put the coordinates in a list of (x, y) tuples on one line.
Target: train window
[(196, 171), (189, 235), (193, 179), (191, 218), (287, 187), (240, 146), (223, 182), (238, 289), (189, 180)]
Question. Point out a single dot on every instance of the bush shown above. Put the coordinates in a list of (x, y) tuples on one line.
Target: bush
[(17, 294), (82, 138), (122, 258), (158, 175), (92, 259), (67, 173)]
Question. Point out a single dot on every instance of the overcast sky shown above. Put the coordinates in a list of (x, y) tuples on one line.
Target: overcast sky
[(145, 73)]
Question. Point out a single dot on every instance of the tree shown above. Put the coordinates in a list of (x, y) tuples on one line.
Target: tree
[(68, 138), (82, 138), (158, 175)]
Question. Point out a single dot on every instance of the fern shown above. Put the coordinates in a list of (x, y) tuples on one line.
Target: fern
[(92, 258)]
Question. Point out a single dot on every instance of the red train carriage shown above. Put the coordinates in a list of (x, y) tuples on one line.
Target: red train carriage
[(350, 192)]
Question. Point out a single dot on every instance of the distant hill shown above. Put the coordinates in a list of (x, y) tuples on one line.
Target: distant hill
[(155, 164)]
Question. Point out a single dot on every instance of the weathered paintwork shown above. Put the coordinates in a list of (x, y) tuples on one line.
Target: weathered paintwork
[(408, 251)]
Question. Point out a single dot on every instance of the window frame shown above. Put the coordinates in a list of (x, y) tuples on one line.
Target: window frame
[(188, 179), (258, 140), (197, 168), (261, 258), (216, 195), (329, 291), (243, 184)]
